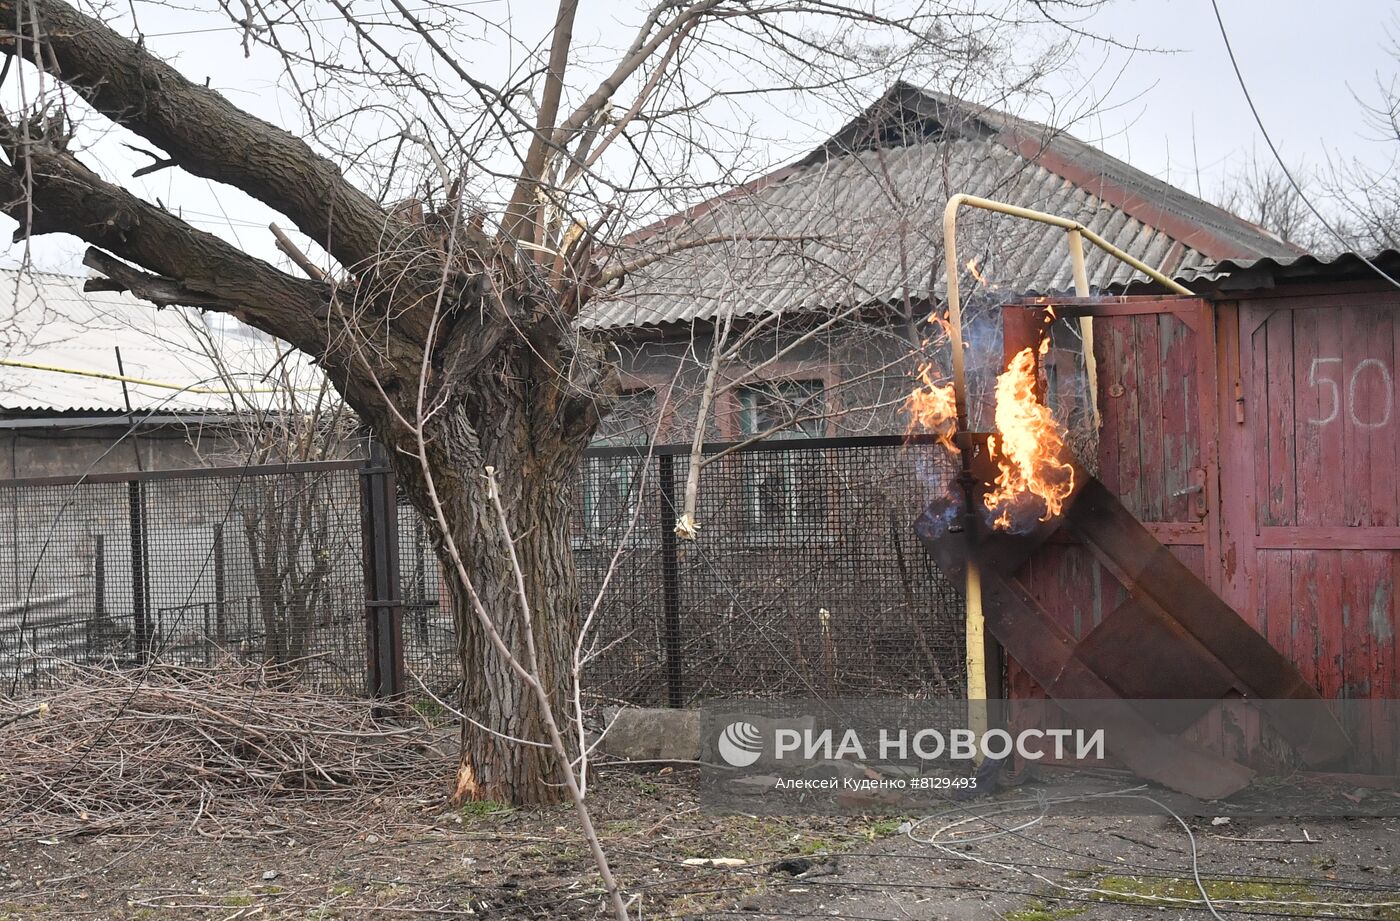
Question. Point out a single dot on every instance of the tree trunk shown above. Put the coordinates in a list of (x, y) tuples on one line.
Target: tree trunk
[(534, 470), (493, 768), (445, 341)]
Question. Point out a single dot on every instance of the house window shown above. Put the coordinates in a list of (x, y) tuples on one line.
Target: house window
[(610, 483), (783, 409), (783, 490)]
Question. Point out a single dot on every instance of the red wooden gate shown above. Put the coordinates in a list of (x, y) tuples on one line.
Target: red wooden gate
[(1157, 449), (1311, 536), (1258, 440)]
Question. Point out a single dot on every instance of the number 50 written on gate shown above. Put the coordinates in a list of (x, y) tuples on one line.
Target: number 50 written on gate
[(1336, 397)]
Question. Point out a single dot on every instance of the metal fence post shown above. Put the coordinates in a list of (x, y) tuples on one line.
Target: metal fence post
[(379, 506), (99, 595), (670, 582), (220, 589), (140, 594)]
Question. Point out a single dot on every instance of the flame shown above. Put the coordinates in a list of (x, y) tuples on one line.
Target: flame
[(1029, 447), (932, 408), (972, 269), (943, 323)]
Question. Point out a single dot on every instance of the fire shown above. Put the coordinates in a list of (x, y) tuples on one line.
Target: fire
[(1033, 479), (932, 408), (1029, 446), (972, 269)]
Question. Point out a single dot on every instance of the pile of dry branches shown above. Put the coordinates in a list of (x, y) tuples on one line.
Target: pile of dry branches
[(118, 749)]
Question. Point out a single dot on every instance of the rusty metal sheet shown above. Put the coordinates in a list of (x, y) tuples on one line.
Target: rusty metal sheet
[(1173, 638), (1046, 651)]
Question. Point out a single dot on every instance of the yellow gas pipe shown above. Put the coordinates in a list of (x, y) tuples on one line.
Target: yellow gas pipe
[(1076, 233)]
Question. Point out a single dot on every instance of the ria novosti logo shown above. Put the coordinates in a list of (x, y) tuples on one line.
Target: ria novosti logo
[(740, 744)]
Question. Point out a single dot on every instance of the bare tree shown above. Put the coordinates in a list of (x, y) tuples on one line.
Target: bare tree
[(1350, 205), (1368, 197), (442, 306), (284, 412), (1262, 193)]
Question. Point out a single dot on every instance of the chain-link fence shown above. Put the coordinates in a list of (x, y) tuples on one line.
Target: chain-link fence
[(806, 577), (256, 563)]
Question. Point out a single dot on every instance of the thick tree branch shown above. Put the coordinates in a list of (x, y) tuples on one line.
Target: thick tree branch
[(200, 129), (161, 291), (642, 49), (198, 268), (521, 220)]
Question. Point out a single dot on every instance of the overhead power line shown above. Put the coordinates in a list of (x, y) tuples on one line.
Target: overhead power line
[(1346, 245)]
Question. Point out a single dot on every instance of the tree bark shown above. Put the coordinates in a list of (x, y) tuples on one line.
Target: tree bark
[(534, 466), (490, 767)]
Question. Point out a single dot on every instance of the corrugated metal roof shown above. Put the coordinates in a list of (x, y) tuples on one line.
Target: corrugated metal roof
[(1240, 274), (1303, 263), (860, 223), (49, 319)]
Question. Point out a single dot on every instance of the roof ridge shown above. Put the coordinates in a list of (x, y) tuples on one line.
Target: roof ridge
[(1018, 134), (1212, 230)]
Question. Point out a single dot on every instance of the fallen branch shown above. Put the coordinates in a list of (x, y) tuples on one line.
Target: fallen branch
[(38, 709), (122, 749)]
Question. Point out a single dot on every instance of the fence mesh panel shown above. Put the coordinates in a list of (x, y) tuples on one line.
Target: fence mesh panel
[(806, 578), (263, 567)]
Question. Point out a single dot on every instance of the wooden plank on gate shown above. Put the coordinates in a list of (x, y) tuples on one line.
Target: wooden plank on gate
[(1331, 616), (1316, 405), (1151, 381), (1108, 349), (1330, 487), (1276, 472), (1180, 408)]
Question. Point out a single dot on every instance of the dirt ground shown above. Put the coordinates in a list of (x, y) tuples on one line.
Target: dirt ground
[(406, 854)]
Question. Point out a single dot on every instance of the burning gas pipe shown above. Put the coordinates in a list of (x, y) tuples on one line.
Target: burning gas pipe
[(1024, 432)]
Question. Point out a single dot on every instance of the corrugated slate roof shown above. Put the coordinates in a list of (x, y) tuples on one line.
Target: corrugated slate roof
[(859, 220), (49, 319), (1244, 274)]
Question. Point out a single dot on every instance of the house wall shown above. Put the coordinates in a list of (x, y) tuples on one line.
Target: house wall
[(60, 446), (865, 370), (63, 449)]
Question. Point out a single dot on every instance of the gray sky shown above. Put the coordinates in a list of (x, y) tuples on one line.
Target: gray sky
[(1173, 109), (1304, 62)]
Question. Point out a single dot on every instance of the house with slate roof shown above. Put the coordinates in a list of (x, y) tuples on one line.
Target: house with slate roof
[(817, 279)]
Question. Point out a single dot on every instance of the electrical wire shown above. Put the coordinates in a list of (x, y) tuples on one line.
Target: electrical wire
[(143, 382), (1288, 174), (1044, 804)]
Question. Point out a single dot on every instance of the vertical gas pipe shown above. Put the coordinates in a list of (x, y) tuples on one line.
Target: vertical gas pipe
[(972, 590), (1077, 232), (1086, 324)]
